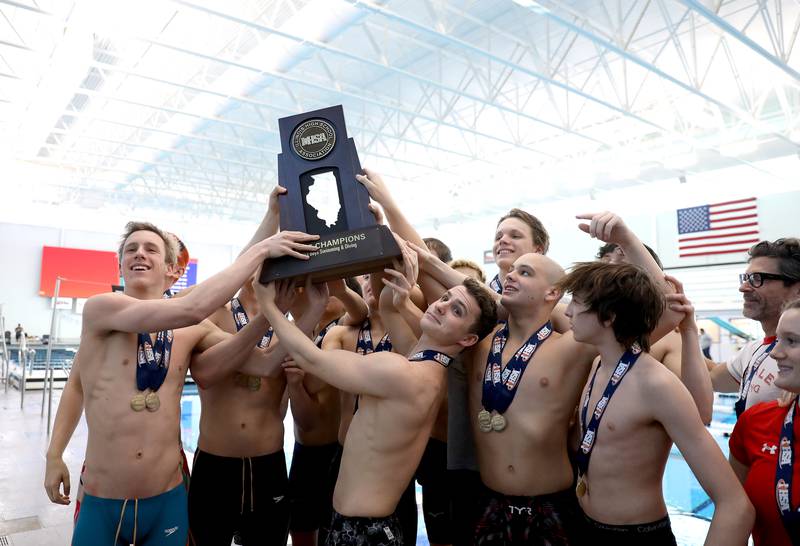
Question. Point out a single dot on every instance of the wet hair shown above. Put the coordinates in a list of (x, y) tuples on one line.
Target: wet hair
[(622, 293), (786, 250), (538, 232), (608, 248), (471, 265), (441, 250), (170, 244), (487, 320)]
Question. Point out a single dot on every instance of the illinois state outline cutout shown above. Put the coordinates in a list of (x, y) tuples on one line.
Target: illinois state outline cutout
[(323, 196)]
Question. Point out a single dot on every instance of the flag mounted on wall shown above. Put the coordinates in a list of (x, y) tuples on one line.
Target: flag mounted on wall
[(719, 228)]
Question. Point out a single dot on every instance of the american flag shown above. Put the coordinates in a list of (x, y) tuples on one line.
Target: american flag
[(719, 228)]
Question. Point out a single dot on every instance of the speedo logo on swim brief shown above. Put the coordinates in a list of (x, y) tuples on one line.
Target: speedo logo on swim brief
[(388, 533), (171, 531)]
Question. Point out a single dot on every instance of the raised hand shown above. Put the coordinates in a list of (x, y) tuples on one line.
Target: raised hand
[(375, 186), (289, 243), (265, 293), (285, 294), (377, 212), (606, 226), (679, 303), (402, 278), (422, 254), (272, 202), (318, 294)]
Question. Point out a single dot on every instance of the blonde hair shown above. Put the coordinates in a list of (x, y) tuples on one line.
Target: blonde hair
[(470, 265), (170, 243)]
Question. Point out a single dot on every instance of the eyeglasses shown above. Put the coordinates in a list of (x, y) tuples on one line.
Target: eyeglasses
[(756, 280)]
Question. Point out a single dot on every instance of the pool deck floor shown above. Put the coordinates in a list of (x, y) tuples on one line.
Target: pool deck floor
[(27, 517)]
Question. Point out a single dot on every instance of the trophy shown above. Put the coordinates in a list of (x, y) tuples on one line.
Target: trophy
[(317, 165)]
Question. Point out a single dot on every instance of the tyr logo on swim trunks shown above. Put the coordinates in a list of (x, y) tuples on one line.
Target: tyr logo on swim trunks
[(520, 510)]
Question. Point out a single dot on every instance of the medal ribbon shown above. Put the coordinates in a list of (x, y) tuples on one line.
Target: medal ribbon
[(322, 333), (784, 475), (430, 354), (624, 365), (495, 284), (741, 403), (500, 385), (364, 343), (364, 346), (241, 320), (152, 360)]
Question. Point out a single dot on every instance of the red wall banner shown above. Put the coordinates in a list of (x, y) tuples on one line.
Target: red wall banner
[(84, 273)]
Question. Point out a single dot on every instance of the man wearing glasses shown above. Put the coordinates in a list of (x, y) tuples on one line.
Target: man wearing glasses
[(771, 279)]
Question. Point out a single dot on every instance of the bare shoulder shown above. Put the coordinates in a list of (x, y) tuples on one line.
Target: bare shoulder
[(103, 302), (669, 344), (656, 382), (568, 349), (340, 337)]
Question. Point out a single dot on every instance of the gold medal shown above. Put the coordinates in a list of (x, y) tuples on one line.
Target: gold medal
[(138, 402), (580, 489), (152, 401), (484, 421), (498, 423), (253, 382)]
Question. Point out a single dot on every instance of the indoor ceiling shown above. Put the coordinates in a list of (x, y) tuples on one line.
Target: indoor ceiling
[(467, 106)]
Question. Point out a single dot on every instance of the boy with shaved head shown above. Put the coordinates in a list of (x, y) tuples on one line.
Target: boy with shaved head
[(524, 384)]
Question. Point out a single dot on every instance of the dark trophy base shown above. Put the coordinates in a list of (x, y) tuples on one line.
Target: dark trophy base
[(342, 254)]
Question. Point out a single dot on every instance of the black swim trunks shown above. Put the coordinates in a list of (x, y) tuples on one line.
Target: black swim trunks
[(245, 494), (437, 507), (310, 489), (544, 520), (656, 533), (355, 531)]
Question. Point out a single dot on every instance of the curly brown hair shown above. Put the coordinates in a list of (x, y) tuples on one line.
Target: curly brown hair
[(786, 250), (622, 293)]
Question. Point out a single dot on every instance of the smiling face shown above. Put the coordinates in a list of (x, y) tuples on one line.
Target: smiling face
[(144, 260), (787, 351), (512, 239)]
